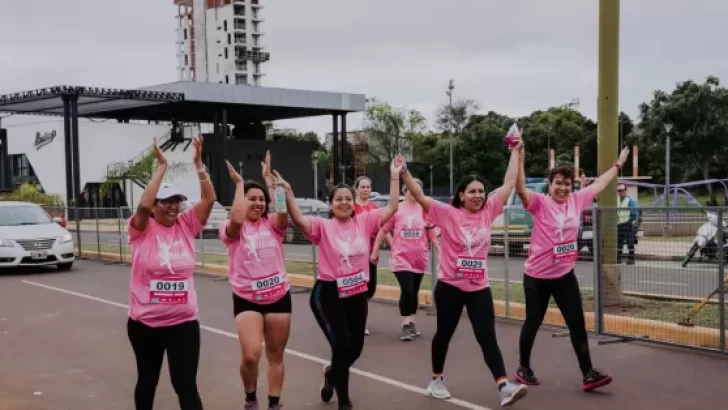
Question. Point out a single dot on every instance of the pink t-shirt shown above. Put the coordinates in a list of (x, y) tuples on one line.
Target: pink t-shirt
[(257, 270), (410, 235), (162, 267), (344, 250), (464, 242), (554, 251)]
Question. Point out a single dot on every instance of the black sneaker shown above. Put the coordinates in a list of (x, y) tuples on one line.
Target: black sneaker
[(413, 330), (596, 379), (327, 389), (524, 375), (345, 406), (406, 335)]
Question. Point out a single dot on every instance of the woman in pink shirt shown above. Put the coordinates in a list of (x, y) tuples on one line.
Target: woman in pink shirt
[(465, 228), (409, 234), (363, 190), (549, 269), (339, 296), (257, 275), (163, 302)]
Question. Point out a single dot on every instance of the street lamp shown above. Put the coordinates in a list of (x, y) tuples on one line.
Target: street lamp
[(450, 87)]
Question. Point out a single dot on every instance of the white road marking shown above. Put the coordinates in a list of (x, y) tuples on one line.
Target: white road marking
[(305, 356)]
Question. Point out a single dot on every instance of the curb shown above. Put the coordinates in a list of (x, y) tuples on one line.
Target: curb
[(615, 325)]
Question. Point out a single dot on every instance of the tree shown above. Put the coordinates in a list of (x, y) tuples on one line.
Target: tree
[(30, 193), (698, 114), (140, 171), (391, 130), (457, 117)]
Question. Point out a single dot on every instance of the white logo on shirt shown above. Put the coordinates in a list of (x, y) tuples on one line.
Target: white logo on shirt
[(347, 248), (166, 256), (250, 245), (474, 237), (410, 221), (560, 220)]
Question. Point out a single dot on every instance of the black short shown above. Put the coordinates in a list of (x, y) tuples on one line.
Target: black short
[(240, 305)]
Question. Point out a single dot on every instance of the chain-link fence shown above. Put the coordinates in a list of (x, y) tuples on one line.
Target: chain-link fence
[(665, 285)]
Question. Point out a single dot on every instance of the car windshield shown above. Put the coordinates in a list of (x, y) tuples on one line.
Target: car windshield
[(17, 215)]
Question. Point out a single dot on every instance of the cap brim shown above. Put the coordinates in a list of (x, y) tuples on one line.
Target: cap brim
[(180, 196)]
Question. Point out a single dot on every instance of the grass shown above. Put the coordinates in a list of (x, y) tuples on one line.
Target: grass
[(668, 311)]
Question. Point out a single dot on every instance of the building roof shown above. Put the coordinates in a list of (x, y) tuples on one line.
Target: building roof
[(185, 101)]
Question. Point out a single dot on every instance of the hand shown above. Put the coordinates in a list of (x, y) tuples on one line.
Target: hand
[(374, 258), (237, 179), (398, 165), (623, 156), (265, 165), (159, 155), (197, 150), (279, 181)]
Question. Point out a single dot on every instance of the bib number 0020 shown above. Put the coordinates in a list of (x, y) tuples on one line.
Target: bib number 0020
[(269, 287)]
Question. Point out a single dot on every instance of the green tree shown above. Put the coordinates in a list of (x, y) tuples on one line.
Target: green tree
[(30, 193), (391, 130), (140, 171), (457, 117)]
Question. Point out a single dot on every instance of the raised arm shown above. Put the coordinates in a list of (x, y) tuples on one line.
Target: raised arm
[(395, 169), (523, 192), (416, 190), (237, 213), (279, 220), (509, 180), (603, 180), (146, 204), (203, 208), (302, 221)]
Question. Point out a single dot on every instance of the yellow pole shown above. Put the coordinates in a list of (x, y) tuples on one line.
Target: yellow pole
[(608, 106)]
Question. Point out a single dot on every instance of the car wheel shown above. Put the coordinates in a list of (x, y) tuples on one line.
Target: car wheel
[(65, 266)]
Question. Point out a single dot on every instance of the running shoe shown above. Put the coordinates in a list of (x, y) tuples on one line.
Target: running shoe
[(511, 393), (524, 375), (250, 405), (327, 389), (437, 388), (345, 406), (413, 330), (596, 379), (406, 335)]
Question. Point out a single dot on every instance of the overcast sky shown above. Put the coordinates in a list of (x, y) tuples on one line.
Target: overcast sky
[(511, 56)]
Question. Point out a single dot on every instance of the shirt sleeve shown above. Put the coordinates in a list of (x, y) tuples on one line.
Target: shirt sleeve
[(494, 207), (534, 203), (373, 221), (584, 198), (317, 226), (440, 213), (222, 233), (133, 234), (190, 221)]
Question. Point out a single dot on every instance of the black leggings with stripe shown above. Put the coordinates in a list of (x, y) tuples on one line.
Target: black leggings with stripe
[(343, 321)]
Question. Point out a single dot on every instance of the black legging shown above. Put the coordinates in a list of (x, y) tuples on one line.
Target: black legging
[(182, 344), (409, 284), (565, 291), (372, 285), (450, 302), (343, 321)]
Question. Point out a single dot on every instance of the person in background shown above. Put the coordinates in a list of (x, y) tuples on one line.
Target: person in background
[(409, 236), (362, 203), (626, 224), (465, 227), (261, 292), (163, 312), (549, 269), (339, 296)]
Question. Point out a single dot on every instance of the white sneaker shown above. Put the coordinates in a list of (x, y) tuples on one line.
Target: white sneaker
[(437, 389), (511, 393), (366, 332)]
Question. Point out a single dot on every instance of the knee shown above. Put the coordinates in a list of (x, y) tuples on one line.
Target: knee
[(274, 355), (251, 357)]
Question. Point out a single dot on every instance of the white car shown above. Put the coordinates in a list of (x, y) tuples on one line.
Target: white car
[(30, 237), (217, 217)]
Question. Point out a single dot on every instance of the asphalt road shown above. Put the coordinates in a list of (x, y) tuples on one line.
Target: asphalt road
[(64, 346), (653, 277)]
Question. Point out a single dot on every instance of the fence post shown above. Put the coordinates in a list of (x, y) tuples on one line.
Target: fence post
[(507, 259), (119, 217), (597, 246), (98, 235), (78, 229), (721, 280), (433, 280)]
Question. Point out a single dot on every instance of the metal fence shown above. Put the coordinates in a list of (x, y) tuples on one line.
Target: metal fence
[(655, 294)]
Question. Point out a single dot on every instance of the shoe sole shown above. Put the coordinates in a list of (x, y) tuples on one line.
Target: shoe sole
[(521, 380), (520, 393), (405, 338), (438, 397), (593, 386)]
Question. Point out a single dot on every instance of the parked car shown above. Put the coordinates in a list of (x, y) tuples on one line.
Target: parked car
[(308, 206), (520, 222), (29, 236)]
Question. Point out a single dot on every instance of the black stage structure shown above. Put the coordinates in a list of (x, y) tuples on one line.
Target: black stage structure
[(186, 102)]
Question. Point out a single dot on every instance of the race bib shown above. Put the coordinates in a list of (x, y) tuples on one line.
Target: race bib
[(352, 285), (268, 287), (169, 291), (470, 268), (410, 233), (565, 252)]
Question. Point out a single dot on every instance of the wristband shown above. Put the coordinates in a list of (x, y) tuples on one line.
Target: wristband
[(617, 165), (202, 169)]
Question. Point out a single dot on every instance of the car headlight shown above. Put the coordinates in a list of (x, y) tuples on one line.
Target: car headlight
[(4, 243), (66, 238)]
